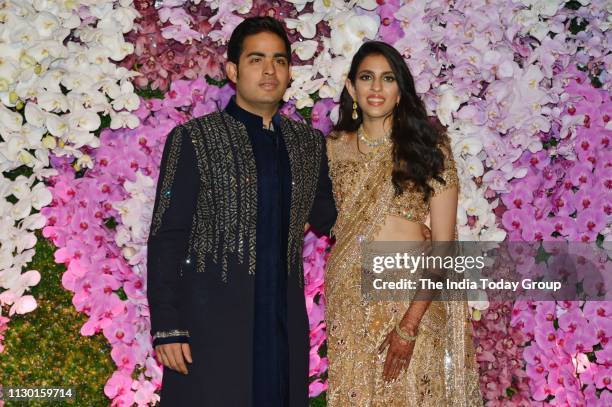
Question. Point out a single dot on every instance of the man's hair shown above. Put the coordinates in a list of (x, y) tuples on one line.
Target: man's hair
[(252, 26)]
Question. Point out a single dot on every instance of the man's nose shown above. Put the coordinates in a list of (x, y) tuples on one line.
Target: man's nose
[(269, 68)]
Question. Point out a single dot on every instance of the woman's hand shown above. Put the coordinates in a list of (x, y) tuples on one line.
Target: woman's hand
[(399, 353)]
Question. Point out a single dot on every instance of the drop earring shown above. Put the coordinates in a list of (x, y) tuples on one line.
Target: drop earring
[(355, 115)]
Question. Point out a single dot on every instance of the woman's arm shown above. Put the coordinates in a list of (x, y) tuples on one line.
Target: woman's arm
[(443, 218), (443, 210)]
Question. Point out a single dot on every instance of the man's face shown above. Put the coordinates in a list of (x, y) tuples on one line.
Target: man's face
[(262, 74)]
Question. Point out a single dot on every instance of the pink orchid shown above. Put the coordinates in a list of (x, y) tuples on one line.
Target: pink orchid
[(317, 387), (518, 219), (123, 357), (517, 198), (145, 393), (320, 115), (390, 29), (179, 95), (118, 384), (580, 175)]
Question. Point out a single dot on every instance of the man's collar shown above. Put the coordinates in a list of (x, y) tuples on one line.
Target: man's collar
[(250, 119)]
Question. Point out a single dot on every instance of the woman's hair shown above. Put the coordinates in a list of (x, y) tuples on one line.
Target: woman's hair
[(416, 154)]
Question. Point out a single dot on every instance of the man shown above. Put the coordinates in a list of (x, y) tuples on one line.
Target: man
[(225, 278)]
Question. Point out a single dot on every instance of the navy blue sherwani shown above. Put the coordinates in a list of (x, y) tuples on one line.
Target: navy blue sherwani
[(224, 266)]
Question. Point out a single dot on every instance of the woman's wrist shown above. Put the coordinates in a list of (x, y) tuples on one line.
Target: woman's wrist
[(409, 334), (410, 327), (413, 315), (410, 322)]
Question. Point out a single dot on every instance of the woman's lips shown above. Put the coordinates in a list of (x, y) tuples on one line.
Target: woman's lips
[(375, 100)]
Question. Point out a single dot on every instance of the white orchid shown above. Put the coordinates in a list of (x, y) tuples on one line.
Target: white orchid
[(124, 96), (367, 4), (305, 49), (125, 16), (478, 300), (469, 146), (78, 138), (299, 4), (474, 166), (123, 120), (338, 73), (305, 24), (331, 7), (61, 85), (83, 161), (448, 104), (303, 86), (53, 102), (16, 284), (135, 212), (349, 30), (543, 8), (84, 120)]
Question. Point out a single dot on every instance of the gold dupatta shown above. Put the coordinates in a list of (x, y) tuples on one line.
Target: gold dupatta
[(364, 211)]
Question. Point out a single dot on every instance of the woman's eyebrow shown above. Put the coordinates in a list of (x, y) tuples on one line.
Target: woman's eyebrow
[(372, 72)]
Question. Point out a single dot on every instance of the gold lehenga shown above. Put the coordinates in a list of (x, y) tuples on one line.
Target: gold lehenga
[(442, 370)]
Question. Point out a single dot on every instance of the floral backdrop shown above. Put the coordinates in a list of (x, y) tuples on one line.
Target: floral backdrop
[(90, 88)]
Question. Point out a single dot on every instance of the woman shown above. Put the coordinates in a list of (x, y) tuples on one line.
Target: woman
[(390, 169)]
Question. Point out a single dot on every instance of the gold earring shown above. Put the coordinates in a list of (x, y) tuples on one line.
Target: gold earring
[(355, 115)]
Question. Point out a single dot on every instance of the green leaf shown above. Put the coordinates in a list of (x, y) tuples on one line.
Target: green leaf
[(105, 121), (213, 81), (305, 112), (577, 26), (23, 170), (121, 294), (573, 5), (595, 81), (110, 223), (591, 356), (323, 349), (542, 255), (319, 401), (149, 93)]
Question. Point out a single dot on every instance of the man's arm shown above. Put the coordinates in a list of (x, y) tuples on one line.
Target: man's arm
[(323, 213), (175, 203)]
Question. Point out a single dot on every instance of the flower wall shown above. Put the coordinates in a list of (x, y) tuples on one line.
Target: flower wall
[(89, 91)]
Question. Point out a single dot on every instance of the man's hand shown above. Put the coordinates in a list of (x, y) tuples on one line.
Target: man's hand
[(173, 355), (426, 232)]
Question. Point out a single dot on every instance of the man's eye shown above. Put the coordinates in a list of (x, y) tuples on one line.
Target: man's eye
[(255, 59), (281, 61)]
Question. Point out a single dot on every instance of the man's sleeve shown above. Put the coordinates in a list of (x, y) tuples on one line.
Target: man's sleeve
[(323, 213), (175, 203)]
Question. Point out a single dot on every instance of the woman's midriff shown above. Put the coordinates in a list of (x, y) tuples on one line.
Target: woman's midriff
[(396, 229)]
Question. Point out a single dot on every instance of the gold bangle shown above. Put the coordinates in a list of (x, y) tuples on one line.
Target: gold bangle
[(403, 334)]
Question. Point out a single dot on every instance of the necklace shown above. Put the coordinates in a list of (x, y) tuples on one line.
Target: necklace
[(377, 143)]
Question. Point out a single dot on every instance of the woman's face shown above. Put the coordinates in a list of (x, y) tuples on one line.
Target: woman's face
[(375, 87)]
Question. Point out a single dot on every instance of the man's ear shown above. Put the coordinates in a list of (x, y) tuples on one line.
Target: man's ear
[(350, 88), (231, 70)]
